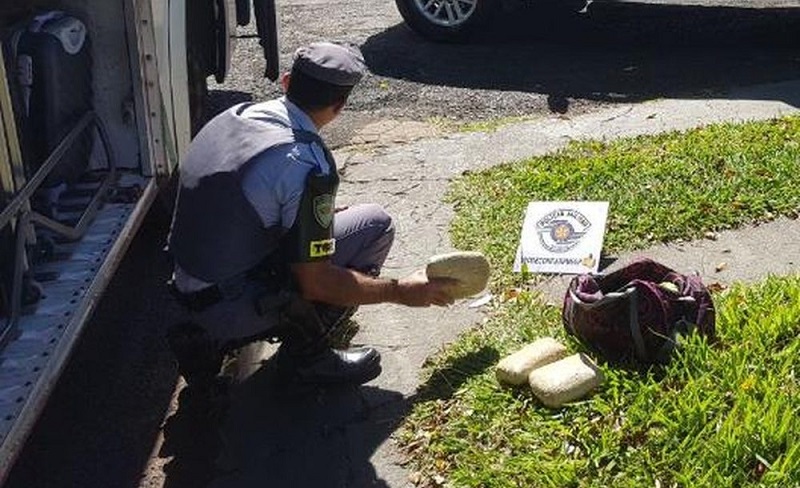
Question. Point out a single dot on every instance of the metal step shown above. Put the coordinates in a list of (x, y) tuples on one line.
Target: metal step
[(71, 281)]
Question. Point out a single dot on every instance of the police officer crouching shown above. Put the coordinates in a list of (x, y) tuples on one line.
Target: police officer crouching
[(260, 249)]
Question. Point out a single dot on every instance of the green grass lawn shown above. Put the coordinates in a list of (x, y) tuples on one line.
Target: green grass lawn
[(721, 416), (679, 185)]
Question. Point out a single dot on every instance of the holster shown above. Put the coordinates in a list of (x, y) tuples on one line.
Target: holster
[(302, 324)]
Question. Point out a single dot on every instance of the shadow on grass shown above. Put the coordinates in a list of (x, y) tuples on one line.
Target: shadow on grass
[(448, 378)]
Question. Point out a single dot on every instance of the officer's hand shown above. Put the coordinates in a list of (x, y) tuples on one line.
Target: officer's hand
[(416, 290)]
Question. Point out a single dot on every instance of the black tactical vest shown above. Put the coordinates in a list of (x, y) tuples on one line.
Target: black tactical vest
[(216, 234)]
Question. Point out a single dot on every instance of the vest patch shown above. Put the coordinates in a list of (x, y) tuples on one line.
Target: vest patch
[(325, 247), (323, 210)]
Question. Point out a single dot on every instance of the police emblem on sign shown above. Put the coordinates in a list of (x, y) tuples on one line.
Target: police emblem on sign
[(561, 230), (323, 210)]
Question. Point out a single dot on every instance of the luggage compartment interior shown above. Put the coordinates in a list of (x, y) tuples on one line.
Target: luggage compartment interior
[(112, 81), (61, 241), (75, 159)]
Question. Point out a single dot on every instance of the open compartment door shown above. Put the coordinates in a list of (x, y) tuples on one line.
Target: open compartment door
[(266, 15)]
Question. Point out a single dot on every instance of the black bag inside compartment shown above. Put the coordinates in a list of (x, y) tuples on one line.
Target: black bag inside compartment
[(52, 78)]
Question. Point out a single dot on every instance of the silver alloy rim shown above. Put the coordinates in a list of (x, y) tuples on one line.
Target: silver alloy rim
[(446, 13)]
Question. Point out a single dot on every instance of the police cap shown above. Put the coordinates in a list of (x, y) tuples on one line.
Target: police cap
[(332, 63)]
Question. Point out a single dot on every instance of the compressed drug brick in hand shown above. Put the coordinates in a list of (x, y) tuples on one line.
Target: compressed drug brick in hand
[(469, 270)]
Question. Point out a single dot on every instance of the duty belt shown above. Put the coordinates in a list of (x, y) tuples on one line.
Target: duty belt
[(197, 301)]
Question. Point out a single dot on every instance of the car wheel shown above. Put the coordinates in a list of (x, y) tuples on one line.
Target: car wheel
[(445, 20)]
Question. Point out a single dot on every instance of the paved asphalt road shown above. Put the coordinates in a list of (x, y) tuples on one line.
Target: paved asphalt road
[(104, 418), (533, 60)]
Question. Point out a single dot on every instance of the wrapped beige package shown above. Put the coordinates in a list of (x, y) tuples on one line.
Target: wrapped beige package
[(469, 269), (514, 368), (565, 380)]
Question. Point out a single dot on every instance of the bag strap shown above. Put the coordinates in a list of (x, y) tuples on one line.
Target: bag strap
[(682, 326), (633, 322), (629, 294)]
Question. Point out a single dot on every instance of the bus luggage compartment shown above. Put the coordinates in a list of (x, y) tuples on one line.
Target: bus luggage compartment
[(50, 56)]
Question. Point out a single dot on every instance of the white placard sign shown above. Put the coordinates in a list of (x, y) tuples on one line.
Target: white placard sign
[(562, 237)]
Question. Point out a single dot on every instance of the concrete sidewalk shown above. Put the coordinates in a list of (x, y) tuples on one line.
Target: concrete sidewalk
[(279, 436)]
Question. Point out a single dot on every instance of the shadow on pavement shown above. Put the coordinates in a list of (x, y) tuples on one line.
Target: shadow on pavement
[(613, 53), (192, 439), (278, 434), (281, 435), (104, 416)]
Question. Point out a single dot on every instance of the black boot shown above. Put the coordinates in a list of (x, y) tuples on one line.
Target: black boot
[(199, 357), (306, 353), (326, 366)]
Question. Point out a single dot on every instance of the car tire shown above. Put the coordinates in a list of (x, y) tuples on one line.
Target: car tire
[(446, 20)]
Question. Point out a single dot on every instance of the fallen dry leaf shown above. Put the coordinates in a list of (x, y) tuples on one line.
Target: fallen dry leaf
[(716, 287), (720, 267)]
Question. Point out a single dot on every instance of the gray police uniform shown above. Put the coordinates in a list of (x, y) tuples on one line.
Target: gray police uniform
[(259, 183)]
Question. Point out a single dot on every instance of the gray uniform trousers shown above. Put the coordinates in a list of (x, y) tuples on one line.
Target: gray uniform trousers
[(364, 235)]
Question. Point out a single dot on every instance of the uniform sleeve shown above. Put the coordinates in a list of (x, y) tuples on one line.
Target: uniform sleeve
[(310, 238)]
